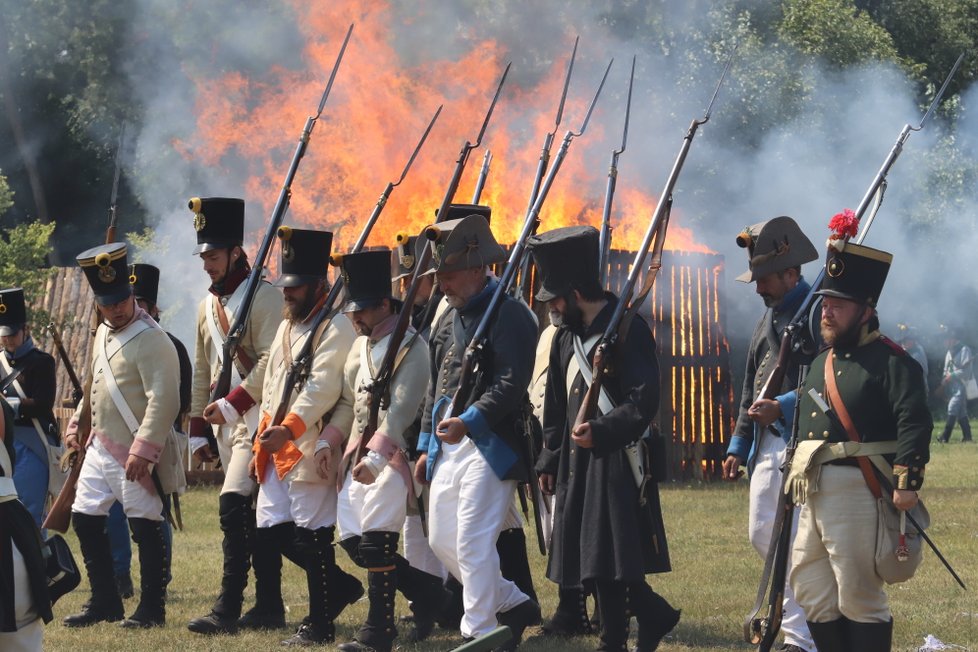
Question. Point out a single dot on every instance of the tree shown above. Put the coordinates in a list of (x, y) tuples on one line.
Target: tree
[(23, 262)]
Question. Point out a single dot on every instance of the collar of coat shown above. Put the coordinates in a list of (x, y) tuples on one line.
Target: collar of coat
[(792, 300)]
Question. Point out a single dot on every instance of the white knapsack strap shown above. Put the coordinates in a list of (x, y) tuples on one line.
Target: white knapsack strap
[(102, 365), (218, 334)]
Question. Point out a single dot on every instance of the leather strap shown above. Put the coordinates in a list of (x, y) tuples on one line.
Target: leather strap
[(835, 399), (243, 358)]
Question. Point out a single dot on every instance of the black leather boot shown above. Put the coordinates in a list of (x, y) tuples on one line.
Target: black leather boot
[(450, 617), (613, 605), (870, 637), (316, 547), (832, 636), (266, 559), (518, 619), (427, 595), (570, 618), (153, 572), (377, 634), (655, 616), (105, 603), (513, 562), (238, 526)]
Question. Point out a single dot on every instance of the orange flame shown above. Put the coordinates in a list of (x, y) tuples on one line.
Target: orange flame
[(379, 106)]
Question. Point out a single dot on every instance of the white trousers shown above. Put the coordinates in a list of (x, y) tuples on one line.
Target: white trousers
[(379, 506), (417, 551), (833, 560), (311, 505), (765, 483), (468, 507), (30, 628), (102, 481), (234, 448)]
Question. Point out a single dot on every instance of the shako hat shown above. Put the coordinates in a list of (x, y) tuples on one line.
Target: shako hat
[(457, 211), (463, 243), (219, 222), (107, 271), (13, 311), (853, 271), (304, 255), (774, 246), (367, 277), (566, 259), (145, 281)]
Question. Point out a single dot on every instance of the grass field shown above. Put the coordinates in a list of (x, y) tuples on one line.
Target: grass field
[(714, 578)]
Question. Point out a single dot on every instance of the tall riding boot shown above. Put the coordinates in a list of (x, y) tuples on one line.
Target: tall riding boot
[(613, 605), (966, 429), (427, 595), (570, 618), (316, 547), (870, 637), (238, 526), (450, 617), (655, 616), (266, 559), (105, 603), (513, 561), (153, 571), (948, 428), (833, 636), (377, 634)]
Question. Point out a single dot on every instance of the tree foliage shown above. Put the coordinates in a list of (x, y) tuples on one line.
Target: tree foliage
[(23, 261)]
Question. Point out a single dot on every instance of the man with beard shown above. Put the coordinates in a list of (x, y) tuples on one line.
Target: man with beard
[(133, 402), (877, 393), (776, 251), (219, 222), (957, 373), (474, 460), (297, 491), (376, 489), (607, 535)]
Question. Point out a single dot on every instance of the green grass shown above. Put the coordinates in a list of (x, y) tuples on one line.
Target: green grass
[(714, 577)]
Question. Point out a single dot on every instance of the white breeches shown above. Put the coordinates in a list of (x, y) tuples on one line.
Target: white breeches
[(234, 448), (310, 505), (379, 506), (102, 481)]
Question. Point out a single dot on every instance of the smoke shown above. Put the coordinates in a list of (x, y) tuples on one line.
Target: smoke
[(789, 135)]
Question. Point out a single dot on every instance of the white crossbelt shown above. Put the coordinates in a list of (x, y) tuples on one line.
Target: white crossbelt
[(103, 353), (217, 337)]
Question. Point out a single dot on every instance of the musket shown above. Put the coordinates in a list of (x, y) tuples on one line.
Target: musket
[(76, 392), (657, 228), (483, 174), (222, 384), (604, 240), (543, 164), (59, 516), (793, 337), (303, 360), (476, 346)]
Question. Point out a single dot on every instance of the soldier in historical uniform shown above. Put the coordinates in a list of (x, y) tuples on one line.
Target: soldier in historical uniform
[(133, 402), (958, 372), (909, 339), (27, 374), (607, 533), (297, 491), (475, 459), (376, 489), (776, 251), (219, 223), (876, 391)]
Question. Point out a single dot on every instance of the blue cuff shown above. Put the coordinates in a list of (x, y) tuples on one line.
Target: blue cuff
[(424, 439), (787, 403), (474, 422), (740, 446)]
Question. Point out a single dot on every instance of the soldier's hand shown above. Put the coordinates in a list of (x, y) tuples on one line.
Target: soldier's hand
[(904, 499), (582, 435), (451, 430), (253, 469), (273, 438), (421, 469), (71, 441), (764, 412), (323, 457), (547, 484), (137, 468), (731, 468), (213, 415), (363, 474)]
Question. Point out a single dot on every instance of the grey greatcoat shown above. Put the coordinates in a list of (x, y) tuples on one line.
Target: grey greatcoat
[(600, 530)]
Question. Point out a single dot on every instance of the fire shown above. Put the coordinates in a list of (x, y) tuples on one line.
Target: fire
[(378, 109)]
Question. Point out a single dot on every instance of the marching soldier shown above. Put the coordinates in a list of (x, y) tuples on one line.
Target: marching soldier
[(374, 498), (876, 392), (474, 460), (910, 341), (134, 400), (958, 372), (28, 384), (605, 535), (219, 223), (297, 490), (776, 251)]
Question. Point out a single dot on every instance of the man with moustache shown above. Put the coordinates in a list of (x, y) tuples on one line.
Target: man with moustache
[(133, 402), (776, 251), (877, 393), (376, 489), (608, 534), (473, 461), (219, 222), (297, 491)]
